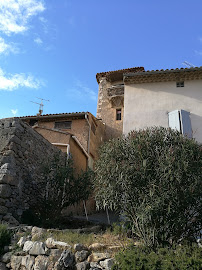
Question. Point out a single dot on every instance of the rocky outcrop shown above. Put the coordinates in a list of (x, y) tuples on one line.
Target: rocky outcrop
[(22, 154)]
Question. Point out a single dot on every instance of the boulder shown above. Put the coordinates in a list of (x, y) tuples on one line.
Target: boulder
[(6, 257), (16, 262), (66, 260), (41, 263), (95, 265), (96, 257), (107, 264), (55, 252), (27, 246), (82, 266), (81, 256), (22, 241), (54, 256), (27, 262), (38, 248), (37, 232), (51, 243)]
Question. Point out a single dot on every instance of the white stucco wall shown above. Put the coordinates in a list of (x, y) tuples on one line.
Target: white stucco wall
[(148, 104)]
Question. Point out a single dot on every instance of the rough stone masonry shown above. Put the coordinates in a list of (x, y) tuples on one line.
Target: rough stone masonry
[(22, 153)]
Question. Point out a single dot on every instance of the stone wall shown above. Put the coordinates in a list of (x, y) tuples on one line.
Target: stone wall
[(110, 98), (22, 154)]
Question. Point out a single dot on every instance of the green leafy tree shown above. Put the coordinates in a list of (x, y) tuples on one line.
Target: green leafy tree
[(154, 178), (59, 188)]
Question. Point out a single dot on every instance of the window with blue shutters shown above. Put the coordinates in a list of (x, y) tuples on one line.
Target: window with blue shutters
[(180, 120)]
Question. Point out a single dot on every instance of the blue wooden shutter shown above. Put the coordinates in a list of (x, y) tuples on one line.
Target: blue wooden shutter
[(186, 123), (173, 120)]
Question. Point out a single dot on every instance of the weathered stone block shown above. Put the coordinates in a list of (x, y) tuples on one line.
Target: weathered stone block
[(5, 191), (28, 262), (81, 256), (41, 263), (3, 210), (107, 264), (38, 248)]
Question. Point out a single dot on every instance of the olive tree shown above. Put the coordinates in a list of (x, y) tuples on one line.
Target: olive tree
[(154, 178)]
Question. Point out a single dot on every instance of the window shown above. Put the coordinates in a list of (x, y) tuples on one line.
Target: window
[(118, 114), (63, 125), (33, 122), (180, 120), (179, 84)]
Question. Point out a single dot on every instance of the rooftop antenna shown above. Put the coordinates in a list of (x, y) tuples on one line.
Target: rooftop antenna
[(40, 105), (189, 65)]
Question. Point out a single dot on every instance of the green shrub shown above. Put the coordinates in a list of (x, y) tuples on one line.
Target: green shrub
[(5, 237), (59, 188), (180, 258), (153, 177)]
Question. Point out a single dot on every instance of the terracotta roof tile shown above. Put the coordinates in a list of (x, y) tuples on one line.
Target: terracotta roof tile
[(54, 114), (163, 75), (117, 74)]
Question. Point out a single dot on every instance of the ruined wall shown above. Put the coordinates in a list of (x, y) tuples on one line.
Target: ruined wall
[(22, 153), (110, 98)]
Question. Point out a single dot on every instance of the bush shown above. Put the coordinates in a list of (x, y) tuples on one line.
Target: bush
[(153, 177), (59, 188), (5, 237), (180, 258)]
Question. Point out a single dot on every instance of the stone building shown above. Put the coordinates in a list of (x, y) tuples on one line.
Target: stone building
[(132, 99), (78, 134), (110, 106)]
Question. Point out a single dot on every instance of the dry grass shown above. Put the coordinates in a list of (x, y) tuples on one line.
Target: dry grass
[(108, 238)]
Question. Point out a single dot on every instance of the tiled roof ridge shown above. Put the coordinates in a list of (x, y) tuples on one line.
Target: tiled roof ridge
[(107, 73), (52, 114), (168, 70)]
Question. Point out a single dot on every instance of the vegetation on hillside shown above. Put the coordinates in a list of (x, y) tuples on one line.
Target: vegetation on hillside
[(178, 258)]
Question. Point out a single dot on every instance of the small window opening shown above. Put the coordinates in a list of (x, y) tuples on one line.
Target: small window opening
[(179, 84), (63, 125), (118, 114), (33, 122)]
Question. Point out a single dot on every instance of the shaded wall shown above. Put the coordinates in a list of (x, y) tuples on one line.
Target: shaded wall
[(22, 154)]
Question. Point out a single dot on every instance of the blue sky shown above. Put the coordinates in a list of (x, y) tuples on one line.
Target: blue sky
[(52, 49)]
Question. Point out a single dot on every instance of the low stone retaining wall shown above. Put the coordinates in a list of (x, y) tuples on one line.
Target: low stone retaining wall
[(53, 255)]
